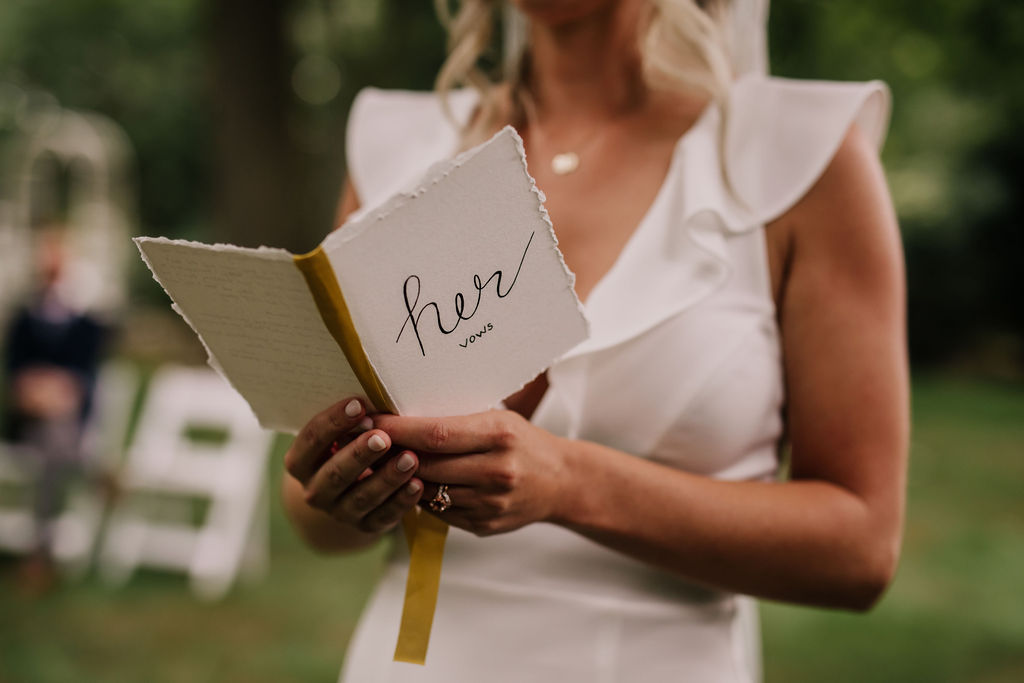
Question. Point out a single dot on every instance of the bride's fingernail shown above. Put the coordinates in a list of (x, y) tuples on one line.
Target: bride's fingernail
[(405, 462), (413, 487), (377, 443), (366, 424), (353, 408)]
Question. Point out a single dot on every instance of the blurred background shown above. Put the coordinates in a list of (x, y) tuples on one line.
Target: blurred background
[(223, 120)]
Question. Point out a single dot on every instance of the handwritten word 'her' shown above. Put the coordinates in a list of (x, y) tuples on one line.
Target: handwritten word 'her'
[(411, 293)]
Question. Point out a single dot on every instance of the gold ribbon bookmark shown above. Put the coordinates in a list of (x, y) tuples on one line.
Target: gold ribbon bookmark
[(323, 285), (425, 534)]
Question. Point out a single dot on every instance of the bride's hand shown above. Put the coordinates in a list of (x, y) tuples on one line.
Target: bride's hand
[(344, 467), (502, 472)]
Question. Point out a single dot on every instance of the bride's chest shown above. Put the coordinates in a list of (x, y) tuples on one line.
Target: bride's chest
[(596, 209), (596, 214), (697, 385)]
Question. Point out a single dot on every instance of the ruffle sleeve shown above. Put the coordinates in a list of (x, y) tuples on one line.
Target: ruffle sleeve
[(781, 135), (737, 168)]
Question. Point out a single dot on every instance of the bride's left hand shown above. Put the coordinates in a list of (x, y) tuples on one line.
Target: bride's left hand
[(502, 471)]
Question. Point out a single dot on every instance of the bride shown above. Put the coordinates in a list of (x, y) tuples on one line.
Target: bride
[(737, 254)]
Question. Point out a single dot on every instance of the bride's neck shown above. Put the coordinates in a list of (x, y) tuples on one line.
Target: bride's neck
[(589, 67)]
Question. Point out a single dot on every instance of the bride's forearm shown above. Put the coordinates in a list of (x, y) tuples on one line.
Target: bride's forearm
[(810, 542)]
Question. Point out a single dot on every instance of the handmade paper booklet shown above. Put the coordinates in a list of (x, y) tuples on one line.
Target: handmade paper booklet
[(441, 301)]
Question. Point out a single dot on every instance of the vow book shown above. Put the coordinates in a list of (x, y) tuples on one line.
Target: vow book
[(441, 301)]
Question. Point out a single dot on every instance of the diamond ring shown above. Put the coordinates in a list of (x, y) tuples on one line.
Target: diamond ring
[(441, 500)]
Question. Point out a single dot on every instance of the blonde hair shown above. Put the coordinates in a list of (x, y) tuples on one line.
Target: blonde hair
[(684, 46)]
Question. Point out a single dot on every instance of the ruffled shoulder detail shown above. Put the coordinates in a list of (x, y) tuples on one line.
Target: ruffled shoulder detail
[(737, 168), (394, 136), (781, 134)]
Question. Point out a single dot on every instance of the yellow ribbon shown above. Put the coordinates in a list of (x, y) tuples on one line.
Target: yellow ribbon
[(425, 534), (323, 285)]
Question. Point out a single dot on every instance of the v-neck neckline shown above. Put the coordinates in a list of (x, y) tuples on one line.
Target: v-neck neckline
[(660, 196), (667, 184)]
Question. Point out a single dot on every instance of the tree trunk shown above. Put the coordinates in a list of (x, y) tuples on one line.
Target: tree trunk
[(257, 172)]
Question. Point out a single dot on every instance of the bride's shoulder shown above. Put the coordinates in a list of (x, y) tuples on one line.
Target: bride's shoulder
[(378, 109), (394, 134), (806, 153), (781, 134)]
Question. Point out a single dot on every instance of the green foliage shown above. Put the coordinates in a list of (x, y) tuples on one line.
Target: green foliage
[(955, 154), (137, 62), (147, 66)]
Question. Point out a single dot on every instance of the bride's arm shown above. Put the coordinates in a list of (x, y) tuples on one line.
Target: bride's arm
[(830, 535), (348, 204)]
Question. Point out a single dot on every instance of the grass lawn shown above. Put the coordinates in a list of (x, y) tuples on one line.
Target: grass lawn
[(955, 612), (956, 609)]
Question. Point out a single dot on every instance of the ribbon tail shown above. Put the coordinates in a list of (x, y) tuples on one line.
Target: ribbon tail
[(426, 535)]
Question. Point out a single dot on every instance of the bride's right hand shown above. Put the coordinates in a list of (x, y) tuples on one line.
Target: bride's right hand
[(345, 471)]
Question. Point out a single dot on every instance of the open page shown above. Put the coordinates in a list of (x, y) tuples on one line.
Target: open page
[(253, 311), (457, 289)]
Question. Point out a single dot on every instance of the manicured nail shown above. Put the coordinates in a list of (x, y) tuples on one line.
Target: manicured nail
[(405, 462), (413, 487), (366, 424), (353, 408), (377, 443)]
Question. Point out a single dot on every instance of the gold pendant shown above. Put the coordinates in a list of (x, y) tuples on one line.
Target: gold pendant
[(564, 163)]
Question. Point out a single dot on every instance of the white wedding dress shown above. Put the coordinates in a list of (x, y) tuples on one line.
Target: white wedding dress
[(683, 367)]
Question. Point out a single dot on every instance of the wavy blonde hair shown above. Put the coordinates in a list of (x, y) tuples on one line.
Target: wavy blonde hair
[(683, 44)]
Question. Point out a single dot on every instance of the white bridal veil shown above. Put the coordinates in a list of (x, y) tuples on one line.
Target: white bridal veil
[(748, 25)]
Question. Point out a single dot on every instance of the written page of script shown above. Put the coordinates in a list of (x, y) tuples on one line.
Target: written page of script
[(261, 327), (457, 290)]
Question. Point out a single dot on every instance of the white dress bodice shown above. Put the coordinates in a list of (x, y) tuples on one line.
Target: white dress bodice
[(683, 367)]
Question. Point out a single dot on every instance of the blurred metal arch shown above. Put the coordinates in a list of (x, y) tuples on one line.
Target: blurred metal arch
[(98, 157)]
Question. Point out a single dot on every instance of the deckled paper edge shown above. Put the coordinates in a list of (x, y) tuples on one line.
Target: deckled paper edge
[(261, 251), (570, 277), (546, 217), (211, 360), (435, 174)]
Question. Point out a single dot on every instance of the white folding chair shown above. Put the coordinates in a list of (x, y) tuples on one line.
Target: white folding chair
[(16, 523), (77, 527), (170, 468)]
